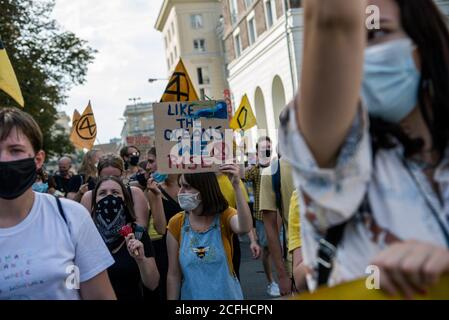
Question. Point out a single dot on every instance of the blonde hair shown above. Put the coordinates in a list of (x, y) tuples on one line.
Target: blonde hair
[(88, 165)]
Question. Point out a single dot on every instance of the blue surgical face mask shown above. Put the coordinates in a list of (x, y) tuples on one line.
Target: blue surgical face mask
[(189, 201), (159, 177), (391, 80), (40, 187)]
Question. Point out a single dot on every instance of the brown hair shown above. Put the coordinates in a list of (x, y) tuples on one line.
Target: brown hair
[(127, 197), (426, 26), (14, 118), (152, 151), (87, 165), (124, 150), (212, 198), (110, 160)]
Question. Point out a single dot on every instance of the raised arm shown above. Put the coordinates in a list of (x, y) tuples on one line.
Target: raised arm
[(154, 196), (243, 222), (141, 207), (327, 102)]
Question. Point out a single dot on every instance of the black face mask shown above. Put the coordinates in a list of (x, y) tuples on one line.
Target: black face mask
[(141, 179), (16, 177), (111, 216), (134, 160)]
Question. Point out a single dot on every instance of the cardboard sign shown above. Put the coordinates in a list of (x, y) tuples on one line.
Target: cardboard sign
[(191, 137)]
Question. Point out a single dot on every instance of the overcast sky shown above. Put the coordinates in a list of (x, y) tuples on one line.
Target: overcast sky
[(130, 51)]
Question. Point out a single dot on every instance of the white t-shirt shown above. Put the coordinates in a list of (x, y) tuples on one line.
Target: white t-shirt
[(43, 257)]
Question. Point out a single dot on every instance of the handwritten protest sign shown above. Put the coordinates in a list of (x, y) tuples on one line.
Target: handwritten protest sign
[(192, 137)]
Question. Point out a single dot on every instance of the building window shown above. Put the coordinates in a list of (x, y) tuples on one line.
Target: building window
[(233, 10), (169, 36), (165, 41), (269, 12), (199, 45), (176, 53), (173, 29), (196, 21), (168, 63), (203, 75), (237, 45), (204, 94), (248, 3), (171, 57), (252, 30)]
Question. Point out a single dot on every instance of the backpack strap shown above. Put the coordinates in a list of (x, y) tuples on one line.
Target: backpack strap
[(276, 185), (327, 251), (61, 211)]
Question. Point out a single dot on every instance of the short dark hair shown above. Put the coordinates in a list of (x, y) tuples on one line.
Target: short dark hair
[(124, 150), (152, 151), (212, 198), (128, 198), (14, 118)]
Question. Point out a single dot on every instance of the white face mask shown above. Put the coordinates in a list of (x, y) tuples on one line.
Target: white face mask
[(391, 80), (188, 201)]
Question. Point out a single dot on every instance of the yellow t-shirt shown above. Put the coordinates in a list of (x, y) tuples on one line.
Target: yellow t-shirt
[(294, 223), (154, 235), (228, 191), (267, 197)]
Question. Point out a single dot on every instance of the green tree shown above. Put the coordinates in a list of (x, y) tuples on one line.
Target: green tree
[(47, 60)]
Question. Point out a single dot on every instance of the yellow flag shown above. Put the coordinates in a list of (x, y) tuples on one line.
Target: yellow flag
[(75, 119), (244, 118), (358, 290), (84, 132), (8, 80), (180, 87)]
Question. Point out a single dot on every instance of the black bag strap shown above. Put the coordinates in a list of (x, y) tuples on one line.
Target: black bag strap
[(60, 209), (276, 185), (327, 250), (327, 247)]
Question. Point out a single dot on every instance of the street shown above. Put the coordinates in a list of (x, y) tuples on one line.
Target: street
[(252, 276)]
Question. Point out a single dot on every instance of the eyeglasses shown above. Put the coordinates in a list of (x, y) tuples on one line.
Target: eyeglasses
[(133, 154)]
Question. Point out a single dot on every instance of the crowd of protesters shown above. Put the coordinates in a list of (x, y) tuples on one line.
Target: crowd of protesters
[(361, 177)]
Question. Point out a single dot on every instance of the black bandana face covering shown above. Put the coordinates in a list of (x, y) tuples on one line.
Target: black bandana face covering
[(16, 177), (110, 218)]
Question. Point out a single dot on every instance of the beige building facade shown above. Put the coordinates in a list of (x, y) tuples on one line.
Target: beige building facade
[(189, 32)]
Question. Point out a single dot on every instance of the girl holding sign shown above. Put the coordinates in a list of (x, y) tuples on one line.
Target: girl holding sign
[(199, 239)]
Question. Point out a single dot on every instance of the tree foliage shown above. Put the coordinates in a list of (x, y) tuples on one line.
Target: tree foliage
[(47, 60)]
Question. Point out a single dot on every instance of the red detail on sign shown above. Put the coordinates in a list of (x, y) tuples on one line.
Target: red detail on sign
[(227, 97)]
